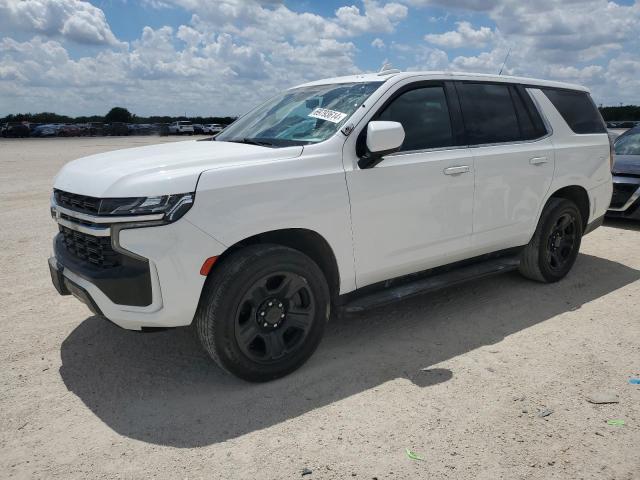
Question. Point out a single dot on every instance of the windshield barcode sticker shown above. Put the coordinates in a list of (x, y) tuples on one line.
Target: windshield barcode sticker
[(328, 115)]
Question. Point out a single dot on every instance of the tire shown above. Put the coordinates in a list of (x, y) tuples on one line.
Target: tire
[(263, 311), (553, 250)]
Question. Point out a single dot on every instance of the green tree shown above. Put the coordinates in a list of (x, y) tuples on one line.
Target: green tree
[(118, 114)]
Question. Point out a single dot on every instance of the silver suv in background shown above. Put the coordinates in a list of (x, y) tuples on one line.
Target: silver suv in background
[(625, 202)]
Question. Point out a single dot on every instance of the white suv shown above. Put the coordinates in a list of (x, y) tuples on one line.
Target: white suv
[(182, 127), (213, 128), (340, 194)]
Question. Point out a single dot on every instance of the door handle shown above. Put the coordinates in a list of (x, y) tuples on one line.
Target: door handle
[(457, 170), (538, 160)]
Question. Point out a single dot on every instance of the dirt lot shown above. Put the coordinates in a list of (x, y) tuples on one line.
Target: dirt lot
[(457, 376)]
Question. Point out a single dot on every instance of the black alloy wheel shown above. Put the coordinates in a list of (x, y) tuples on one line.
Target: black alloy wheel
[(263, 311), (274, 317), (555, 244), (562, 242)]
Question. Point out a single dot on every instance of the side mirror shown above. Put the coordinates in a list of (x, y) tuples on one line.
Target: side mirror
[(383, 138)]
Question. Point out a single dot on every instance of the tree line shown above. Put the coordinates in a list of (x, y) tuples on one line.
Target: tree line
[(120, 114), (621, 113), (116, 114)]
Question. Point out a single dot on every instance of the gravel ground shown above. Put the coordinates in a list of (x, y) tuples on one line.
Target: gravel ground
[(459, 376)]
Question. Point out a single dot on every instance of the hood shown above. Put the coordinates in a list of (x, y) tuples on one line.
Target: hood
[(159, 169), (629, 164)]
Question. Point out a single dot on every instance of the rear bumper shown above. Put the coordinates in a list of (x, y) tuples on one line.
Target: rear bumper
[(175, 253)]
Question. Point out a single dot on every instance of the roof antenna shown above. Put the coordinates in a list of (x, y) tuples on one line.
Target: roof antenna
[(505, 61), (387, 69)]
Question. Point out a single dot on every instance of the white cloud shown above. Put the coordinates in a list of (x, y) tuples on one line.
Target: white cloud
[(233, 54), (74, 20), (556, 30), (591, 42), (376, 18), (463, 36)]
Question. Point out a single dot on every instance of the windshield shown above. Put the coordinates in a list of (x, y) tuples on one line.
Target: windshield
[(628, 144), (300, 116)]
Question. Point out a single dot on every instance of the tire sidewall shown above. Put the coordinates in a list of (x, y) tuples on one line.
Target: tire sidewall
[(232, 289), (565, 206)]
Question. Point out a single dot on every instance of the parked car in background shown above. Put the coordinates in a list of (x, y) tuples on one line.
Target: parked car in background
[(343, 193), (213, 128), (161, 129), (117, 129), (625, 201), (46, 130), (198, 129), (140, 129), (32, 128), (613, 134), (70, 130), (15, 130), (95, 129), (182, 127)]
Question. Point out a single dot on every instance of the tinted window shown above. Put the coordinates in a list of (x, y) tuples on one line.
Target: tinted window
[(424, 115), (488, 112), (628, 144), (531, 125), (577, 109)]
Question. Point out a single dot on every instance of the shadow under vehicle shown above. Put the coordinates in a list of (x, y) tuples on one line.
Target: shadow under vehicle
[(160, 388)]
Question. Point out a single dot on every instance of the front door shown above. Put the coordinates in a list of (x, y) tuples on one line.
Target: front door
[(413, 210)]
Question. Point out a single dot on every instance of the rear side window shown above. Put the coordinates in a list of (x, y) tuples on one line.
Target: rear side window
[(531, 124), (577, 109), (424, 115), (489, 113)]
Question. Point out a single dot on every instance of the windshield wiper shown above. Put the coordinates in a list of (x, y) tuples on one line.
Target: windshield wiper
[(252, 141)]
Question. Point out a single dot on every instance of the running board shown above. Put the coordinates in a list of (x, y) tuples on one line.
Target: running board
[(432, 283)]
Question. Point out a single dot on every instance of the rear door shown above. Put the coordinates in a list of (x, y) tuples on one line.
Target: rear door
[(514, 162)]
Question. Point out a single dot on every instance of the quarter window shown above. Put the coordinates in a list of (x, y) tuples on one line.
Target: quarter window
[(424, 115), (577, 109)]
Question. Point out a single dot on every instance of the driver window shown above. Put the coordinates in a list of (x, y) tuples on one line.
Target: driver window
[(424, 115)]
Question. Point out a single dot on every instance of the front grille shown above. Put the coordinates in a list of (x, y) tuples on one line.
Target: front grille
[(96, 250), (621, 193), (78, 203)]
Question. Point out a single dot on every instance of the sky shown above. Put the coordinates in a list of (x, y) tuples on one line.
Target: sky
[(222, 57)]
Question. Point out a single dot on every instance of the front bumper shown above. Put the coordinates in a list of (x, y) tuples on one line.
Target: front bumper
[(165, 293), (64, 286), (625, 202)]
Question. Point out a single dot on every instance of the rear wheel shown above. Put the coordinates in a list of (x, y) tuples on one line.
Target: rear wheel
[(263, 311), (553, 250)]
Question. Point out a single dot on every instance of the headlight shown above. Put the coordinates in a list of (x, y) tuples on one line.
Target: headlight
[(173, 206)]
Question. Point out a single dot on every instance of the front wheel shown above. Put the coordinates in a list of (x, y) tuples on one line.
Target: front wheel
[(554, 247), (263, 311)]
